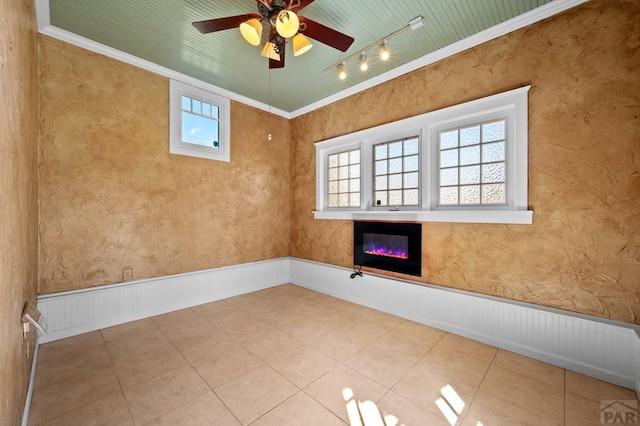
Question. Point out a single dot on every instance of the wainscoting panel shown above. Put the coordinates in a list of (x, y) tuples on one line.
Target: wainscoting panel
[(606, 350), (75, 312)]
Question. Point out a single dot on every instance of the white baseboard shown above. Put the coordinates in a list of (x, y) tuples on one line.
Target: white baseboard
[(75, 312), (607, 350)]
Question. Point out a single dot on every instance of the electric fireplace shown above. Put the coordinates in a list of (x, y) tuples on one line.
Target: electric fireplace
[(390, 246)]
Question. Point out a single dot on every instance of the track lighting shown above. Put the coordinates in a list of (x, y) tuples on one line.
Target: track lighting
[(364, 65), (342, 73), (383, 49)]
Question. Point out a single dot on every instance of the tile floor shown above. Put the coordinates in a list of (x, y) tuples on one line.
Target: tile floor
[(291, 356)]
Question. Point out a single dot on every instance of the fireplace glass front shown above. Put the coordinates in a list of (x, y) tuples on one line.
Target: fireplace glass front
[(390, 246)]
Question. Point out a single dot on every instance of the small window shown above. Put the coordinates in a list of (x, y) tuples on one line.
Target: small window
[(343, 173), (395, 169), (199, 123)]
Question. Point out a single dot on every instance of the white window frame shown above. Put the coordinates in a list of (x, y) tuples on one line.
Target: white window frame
[(512, 105), (176, 90)]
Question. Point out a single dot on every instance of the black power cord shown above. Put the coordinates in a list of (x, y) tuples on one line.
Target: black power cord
[(356, 273)]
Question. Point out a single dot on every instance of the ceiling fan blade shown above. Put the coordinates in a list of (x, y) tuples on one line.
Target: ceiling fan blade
[(213, 25), (278, 64), (301, 4), (326, 35)]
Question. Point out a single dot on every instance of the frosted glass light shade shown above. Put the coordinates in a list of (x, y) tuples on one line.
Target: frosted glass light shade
[(301, 44), (251, 31), (287, 23), (269, 51)]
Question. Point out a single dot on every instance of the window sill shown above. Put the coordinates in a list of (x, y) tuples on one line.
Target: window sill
[(521, 217)]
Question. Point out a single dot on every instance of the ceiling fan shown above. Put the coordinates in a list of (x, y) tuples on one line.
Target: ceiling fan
[(284, 23)]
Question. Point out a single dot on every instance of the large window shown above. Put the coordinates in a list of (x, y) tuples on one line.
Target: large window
[(199, 123), (465, 163)]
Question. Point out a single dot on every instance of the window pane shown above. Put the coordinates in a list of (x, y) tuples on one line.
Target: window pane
[(469, 155), (333, 174), (343, 186), (186, 103), (493, 173), (469, 175), (381, 198), (411, 163), (343, 172), (354, 185), (411, 146), (354, 171), (206, 109), (380, 151), (343, 158), (199, 130), (354, 200), (333, 160), (395, 165), (411, 180), (449, 158), (215, 112), (470, 194), (493, 152), (470, 136), (197, 106), (494, 194), (395, 181), (333, 200), (449, 139), (449, 195), (381, 182), (381, 167), (395, 198), (333, 187), (449, 177), (411, 197), (395, 149), (493, 131), (354, 156)]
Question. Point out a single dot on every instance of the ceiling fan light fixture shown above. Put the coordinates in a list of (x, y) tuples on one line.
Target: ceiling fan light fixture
[(364, 65), (269, 51), (251, 30), (384, 51), (342, 73), (287, 23), (301, 44)]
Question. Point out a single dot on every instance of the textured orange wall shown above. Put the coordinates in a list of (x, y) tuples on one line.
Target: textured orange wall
[(18, 202), (583, 251), (113, 198)]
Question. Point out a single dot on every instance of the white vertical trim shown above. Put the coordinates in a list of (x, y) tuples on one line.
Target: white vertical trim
[(32, 380)]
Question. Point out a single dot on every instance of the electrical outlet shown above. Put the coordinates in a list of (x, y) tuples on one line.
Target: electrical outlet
[(496, 289), (127, 274)]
